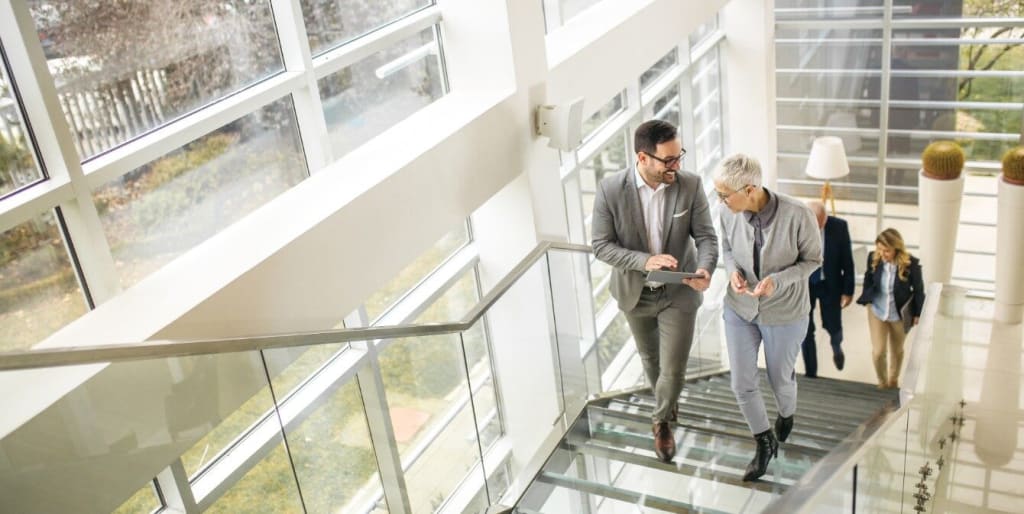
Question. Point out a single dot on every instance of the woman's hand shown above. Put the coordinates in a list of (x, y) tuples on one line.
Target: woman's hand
[(764, 288), (738, 283), (916, 320)]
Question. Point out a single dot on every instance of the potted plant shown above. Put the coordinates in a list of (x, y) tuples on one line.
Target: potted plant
[(941, 188), (1009, 243)]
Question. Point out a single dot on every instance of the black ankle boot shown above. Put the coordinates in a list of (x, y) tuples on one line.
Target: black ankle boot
[(767, 447), (783, 426)]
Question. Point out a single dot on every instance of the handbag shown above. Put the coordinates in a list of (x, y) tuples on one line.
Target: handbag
[(907, 315)]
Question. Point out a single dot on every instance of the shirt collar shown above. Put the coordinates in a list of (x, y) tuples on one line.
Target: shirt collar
[(640, 181), (766, 214)]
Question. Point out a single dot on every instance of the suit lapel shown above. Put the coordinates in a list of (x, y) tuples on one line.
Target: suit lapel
[(634, 208), (671, 195)]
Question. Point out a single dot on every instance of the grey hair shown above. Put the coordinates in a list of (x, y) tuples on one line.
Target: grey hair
[(737, 171)]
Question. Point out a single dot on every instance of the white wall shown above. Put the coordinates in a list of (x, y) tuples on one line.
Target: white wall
[(748, 58)]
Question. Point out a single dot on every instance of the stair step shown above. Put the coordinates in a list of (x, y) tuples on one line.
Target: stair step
[(606, 461), (729, 401), (809, 429), (642, 424), (621, 494), (685, 464), (854, 408), (708, 453)]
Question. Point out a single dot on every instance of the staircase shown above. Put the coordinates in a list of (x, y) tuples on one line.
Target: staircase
[(606, 462)]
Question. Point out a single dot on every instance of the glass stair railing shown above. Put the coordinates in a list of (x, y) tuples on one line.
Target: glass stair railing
[(606, 461)]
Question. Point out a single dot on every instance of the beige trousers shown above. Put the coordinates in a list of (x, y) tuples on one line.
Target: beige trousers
[(883, 332)]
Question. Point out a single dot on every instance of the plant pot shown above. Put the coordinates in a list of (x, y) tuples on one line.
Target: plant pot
[(940, 219), (1009, 306)]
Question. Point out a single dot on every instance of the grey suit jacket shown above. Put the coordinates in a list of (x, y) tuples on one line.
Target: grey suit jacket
[(619, 236)]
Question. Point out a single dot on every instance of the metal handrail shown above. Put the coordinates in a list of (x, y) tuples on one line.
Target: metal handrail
[(840, 461), (95, 354)]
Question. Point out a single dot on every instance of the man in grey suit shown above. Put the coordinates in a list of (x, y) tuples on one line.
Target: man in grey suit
[(645, 219)]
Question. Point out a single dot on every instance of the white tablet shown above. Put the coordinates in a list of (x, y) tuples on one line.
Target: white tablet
[(670, 277)]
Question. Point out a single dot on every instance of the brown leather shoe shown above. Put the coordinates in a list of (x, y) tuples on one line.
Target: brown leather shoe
[(664, 442)]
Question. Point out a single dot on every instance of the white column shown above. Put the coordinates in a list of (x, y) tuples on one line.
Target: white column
[(748, 58), (1009, 252), (940, 217)]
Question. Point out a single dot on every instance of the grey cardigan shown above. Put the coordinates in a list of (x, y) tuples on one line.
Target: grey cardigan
[(792, 250)]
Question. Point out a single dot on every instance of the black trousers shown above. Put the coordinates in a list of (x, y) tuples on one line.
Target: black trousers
[(831, 320)]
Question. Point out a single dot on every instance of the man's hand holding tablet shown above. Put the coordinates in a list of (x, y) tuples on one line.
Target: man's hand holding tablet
[(699, 280)]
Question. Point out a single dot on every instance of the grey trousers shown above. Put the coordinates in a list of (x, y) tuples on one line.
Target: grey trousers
[(781, 346), (663, 335)]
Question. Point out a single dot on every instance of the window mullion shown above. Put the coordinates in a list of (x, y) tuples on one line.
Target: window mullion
[(309, 112), (56, 148), (382, 432), (176, 490), (687, 123)]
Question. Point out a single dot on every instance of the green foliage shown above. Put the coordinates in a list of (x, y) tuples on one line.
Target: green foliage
[(330, 479), (943, 160), (143, 501), (612, 340), (981, 57), (425, 367), (161, 171), (13, 157), (269, 487)]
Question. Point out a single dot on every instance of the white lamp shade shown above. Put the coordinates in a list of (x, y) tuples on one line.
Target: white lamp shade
[(828, 159)]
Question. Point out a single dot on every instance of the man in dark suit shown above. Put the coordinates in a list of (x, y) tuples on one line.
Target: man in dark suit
[(645, 219), (831, 286)]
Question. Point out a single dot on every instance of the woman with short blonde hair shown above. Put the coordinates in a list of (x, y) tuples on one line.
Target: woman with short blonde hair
[(770, 245)]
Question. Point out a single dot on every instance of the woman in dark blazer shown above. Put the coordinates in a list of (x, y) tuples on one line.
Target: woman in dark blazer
[(893, 291)]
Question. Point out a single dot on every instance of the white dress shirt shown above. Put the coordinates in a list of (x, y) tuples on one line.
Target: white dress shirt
[(652, 204)]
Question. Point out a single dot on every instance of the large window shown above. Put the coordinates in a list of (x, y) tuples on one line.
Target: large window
[(162, 209), (363, 100), (415, 273), (39, 292), (597, 120), (707, 114), (124, 68), (180, 118), (18, 166), (330, 23), (559, 12), (888, 89), (183, 118), (440, 390)]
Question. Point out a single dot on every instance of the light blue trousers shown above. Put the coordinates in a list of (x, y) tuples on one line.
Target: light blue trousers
[(781, 346)]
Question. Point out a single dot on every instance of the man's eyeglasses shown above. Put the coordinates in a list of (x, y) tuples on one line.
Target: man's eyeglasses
[(725, 196), (670, 161)]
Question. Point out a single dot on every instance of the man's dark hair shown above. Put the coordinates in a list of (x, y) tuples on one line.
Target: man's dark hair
[(652, 133)]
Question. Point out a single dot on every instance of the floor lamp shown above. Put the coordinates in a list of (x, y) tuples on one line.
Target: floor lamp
[(827, 162)]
